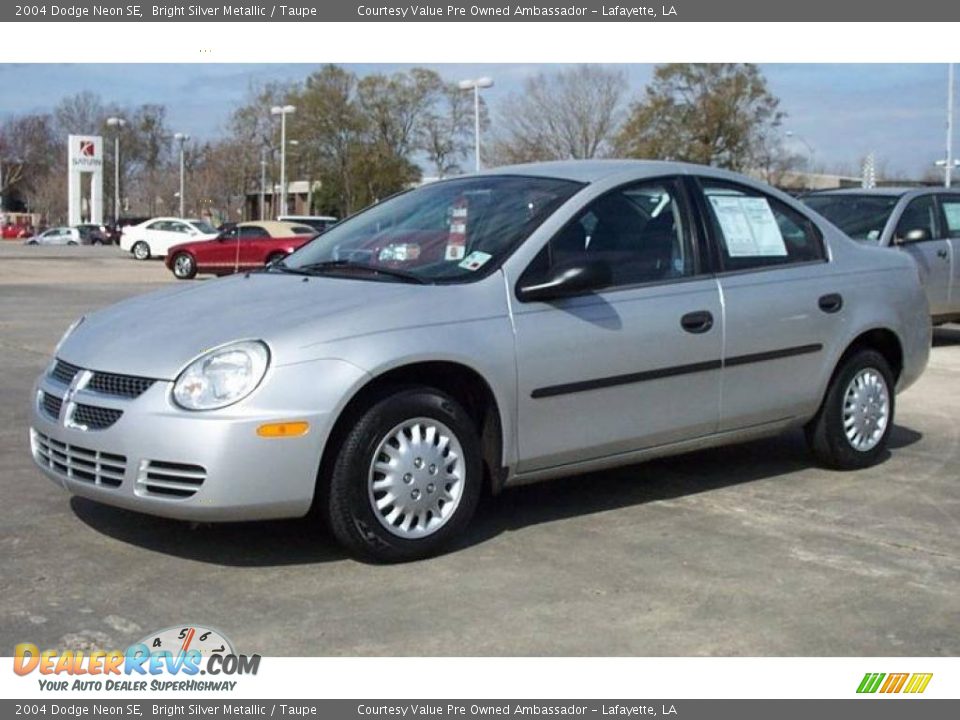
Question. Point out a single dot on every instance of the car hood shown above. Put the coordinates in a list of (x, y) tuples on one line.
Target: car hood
[(156, 335)]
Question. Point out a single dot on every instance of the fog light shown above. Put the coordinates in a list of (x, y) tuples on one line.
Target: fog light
[(283, 429)]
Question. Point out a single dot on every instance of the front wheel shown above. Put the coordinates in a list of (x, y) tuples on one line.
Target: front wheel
[(71, 242), (184, 266), (140, 250), (852, 427), (407, 479)]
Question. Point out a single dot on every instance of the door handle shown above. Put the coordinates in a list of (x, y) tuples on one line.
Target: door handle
[(942, 253), (697, 322), (830, 303)]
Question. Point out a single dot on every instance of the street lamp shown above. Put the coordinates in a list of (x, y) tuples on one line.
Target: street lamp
[(118, 123), (475, 85), (949, 164), (810, 152), (182, 139), (283, 111), (263, 182)]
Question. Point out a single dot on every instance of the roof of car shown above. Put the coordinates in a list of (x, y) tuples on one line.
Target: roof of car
[(588, 171)]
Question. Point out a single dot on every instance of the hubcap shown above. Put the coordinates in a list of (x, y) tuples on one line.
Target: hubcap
[(866, 410), (140, 251), (416, 478), (182, 265)]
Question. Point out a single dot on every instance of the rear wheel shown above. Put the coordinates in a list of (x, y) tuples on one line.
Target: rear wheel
[(407, 479), (852, 427), (71, 242), (140, 250), (274, 257), (184, 266)]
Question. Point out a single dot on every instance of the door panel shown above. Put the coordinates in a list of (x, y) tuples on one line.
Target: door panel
[(950, 205), (616, 372)]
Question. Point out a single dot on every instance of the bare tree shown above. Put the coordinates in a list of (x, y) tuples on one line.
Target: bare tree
[(571, 113)]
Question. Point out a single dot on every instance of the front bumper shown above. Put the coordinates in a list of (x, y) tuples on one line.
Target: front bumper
[(206, 466)]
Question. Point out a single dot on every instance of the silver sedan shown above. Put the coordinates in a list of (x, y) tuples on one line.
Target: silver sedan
[(480, 332)]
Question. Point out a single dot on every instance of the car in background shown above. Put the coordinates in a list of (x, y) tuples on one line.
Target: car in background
[(246, 246), (320, 223), (115, 229), (92, 234), (15, 231), (155, 237), (921, 222), (484, 331), (56, 236)]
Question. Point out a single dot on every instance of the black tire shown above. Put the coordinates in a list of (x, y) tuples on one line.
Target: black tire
[(140, 250), (825, 432), (184, 266), (352, 517), (273, 257), (72, 242)]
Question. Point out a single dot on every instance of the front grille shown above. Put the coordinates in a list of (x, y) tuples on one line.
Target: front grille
[(79, 463), (51, 405), (129, 386), (95, 418), (64, 372), (169, 479)]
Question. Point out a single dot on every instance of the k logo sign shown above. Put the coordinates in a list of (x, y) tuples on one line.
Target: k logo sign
[(87, 148)]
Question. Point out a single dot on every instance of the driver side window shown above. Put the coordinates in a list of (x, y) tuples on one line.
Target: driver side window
[(920, 214), (639, 232)]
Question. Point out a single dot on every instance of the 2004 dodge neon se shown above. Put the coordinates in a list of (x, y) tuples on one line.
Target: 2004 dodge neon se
[(524, 323)]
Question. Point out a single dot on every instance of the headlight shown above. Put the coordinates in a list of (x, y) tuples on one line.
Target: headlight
[(73, 326), (222, 376)]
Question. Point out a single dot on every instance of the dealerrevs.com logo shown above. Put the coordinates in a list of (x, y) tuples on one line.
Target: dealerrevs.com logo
[(171, 659), (910, 683)]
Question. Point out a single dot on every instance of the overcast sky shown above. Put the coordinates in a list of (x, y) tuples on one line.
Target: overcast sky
[(842, 111)]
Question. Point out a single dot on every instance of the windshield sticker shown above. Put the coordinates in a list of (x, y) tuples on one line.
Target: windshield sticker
[(457, 237), (749, 227), (475, 260), (399, 252)]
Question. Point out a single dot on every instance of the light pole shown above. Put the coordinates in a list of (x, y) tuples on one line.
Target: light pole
[(475, 85), (810, 152), (182, 139), (263, 183), (950, 164), (118, 123), (283, 111)]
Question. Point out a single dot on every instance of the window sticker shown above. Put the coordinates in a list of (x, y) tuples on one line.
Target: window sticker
[(952, 211), (475, 260), (748, 225)]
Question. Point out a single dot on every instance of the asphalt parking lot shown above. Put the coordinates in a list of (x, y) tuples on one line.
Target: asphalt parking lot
[(746, 550)]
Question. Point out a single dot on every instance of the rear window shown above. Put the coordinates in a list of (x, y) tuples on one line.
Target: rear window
[(862, 217)]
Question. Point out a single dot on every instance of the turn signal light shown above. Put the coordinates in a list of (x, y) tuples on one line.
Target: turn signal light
[(283, 429)]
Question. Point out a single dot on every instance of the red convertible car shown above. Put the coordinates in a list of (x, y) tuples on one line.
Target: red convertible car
[(245, 246)]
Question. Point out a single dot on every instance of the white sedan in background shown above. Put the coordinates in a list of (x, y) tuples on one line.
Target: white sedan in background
[(55, 236), (155, 237)]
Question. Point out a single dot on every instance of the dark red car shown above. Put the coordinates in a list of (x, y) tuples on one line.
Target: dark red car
[(246, 246)]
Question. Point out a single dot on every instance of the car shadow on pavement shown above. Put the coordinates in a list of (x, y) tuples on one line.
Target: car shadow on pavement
[(305, 541), (301, 541), (662, 479), (946, 336)]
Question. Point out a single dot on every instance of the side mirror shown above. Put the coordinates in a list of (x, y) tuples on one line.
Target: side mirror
[(567, 280), (916, 235)]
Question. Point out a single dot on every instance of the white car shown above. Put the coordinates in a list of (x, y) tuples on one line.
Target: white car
[(55, 236), (155, 237)]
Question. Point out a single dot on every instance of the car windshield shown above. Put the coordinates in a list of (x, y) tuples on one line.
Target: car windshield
[(443, 232), (862, 217), (204, 227)]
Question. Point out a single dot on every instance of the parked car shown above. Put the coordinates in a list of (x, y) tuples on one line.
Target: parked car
[(92, 234), (155, 237), (320, 223), (115, 229), (247, 245), (921, 222), (56, 236), (494, 329), (15, 231)]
